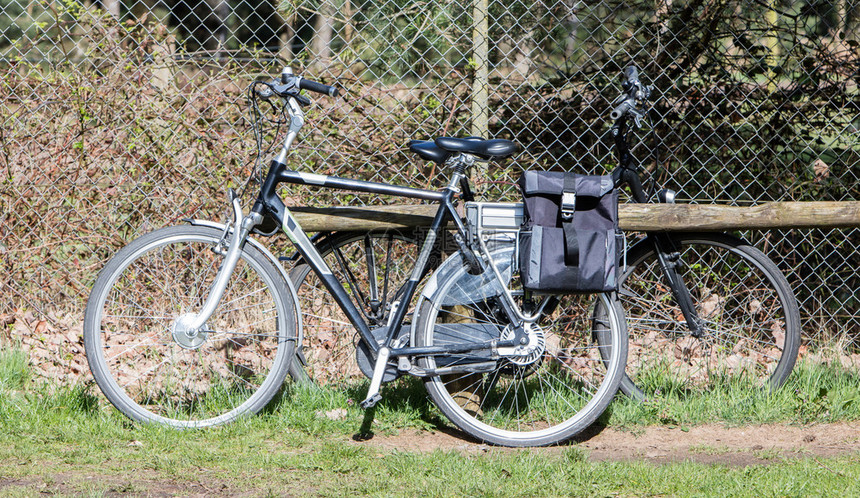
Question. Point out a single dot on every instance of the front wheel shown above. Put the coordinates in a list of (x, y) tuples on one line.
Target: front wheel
[(149, 369), (551, 389), (749, 316)]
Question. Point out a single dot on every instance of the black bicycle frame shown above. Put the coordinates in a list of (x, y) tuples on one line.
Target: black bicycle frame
[(269, 204)]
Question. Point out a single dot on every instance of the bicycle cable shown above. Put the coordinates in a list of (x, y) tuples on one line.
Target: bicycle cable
[(258, 120), (654, 152)]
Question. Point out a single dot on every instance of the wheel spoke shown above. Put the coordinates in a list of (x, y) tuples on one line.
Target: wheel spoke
[(232, 366), (749, 318)]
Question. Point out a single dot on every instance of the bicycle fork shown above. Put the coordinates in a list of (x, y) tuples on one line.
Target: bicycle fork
[(189, 330), (669, 258)]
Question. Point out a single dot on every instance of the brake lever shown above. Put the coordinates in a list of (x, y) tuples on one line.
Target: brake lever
[(266, 93), (644, 92), (301, 99), (638, 115)]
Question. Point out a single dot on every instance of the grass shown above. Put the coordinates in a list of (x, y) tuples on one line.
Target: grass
[(69, 441), (813, 393), (14, 372)]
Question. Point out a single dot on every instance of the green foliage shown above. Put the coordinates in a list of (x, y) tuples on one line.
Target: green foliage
[(409, 38), (14, 368), (22, 23)]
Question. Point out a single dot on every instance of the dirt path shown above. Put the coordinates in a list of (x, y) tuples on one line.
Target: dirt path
[(734, 446), (707, 444)]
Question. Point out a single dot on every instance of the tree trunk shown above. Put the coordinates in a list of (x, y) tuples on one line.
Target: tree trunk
[(286, 40), (323, 32), (288, 34), (771, 42), (348, 29), (222, 12), (111, 6), (523, 61)]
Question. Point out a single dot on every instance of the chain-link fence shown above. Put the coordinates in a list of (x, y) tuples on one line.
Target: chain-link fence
[(118, 117)]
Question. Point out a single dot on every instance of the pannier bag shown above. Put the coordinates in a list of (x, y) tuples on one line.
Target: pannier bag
[(570, 240)]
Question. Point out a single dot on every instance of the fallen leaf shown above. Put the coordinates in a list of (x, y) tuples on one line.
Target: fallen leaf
[(711, 306), (336, 414), (755, 306), (821, 169), (778, 332)]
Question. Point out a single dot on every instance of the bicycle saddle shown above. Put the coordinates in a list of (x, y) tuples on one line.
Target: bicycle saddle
[(428, 150), (486, 149)]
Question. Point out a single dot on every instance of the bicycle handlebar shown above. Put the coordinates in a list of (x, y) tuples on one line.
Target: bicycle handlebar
[(313, 86), (622, 109), (289, 85), (634, 91), (631, 74)]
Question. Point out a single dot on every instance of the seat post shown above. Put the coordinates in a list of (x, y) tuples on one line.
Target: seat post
[(459, 163)]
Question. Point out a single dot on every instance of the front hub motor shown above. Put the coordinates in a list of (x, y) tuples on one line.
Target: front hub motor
[(186, 336)]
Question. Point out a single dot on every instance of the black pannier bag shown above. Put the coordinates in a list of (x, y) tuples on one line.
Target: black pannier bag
[(570, 240)]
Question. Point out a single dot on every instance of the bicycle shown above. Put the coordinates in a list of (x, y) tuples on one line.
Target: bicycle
[(702, 308), (375, 267), (196, 325)]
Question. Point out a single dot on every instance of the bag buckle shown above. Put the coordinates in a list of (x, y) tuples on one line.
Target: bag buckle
[(568, 205)]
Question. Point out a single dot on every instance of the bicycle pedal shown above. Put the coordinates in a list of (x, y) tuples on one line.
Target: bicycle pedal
[(371, 401)]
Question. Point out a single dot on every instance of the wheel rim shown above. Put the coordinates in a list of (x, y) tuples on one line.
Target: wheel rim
[(223, 372), (542, 402), (747, 329)]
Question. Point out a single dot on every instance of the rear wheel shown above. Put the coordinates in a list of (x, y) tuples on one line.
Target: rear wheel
[(548, 391)]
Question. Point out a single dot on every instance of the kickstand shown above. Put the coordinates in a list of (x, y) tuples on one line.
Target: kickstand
[(365, 432)]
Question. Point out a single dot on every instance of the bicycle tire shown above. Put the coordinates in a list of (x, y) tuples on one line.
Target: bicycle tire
[(539, 399), (233, 368), (329, 354), (750, 317)]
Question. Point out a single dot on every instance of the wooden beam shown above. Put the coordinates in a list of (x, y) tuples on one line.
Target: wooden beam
[(314, 219), (633, 217), (714, 217)]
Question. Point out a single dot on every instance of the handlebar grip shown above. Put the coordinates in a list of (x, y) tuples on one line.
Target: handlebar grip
[(621, 110), (313, 86), (631, 73)]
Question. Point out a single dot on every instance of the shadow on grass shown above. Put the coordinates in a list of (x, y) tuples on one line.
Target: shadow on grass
[(404, 403)]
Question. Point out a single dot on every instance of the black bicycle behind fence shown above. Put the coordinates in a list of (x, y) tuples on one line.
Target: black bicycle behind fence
[(198, 324), (703, 309)]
